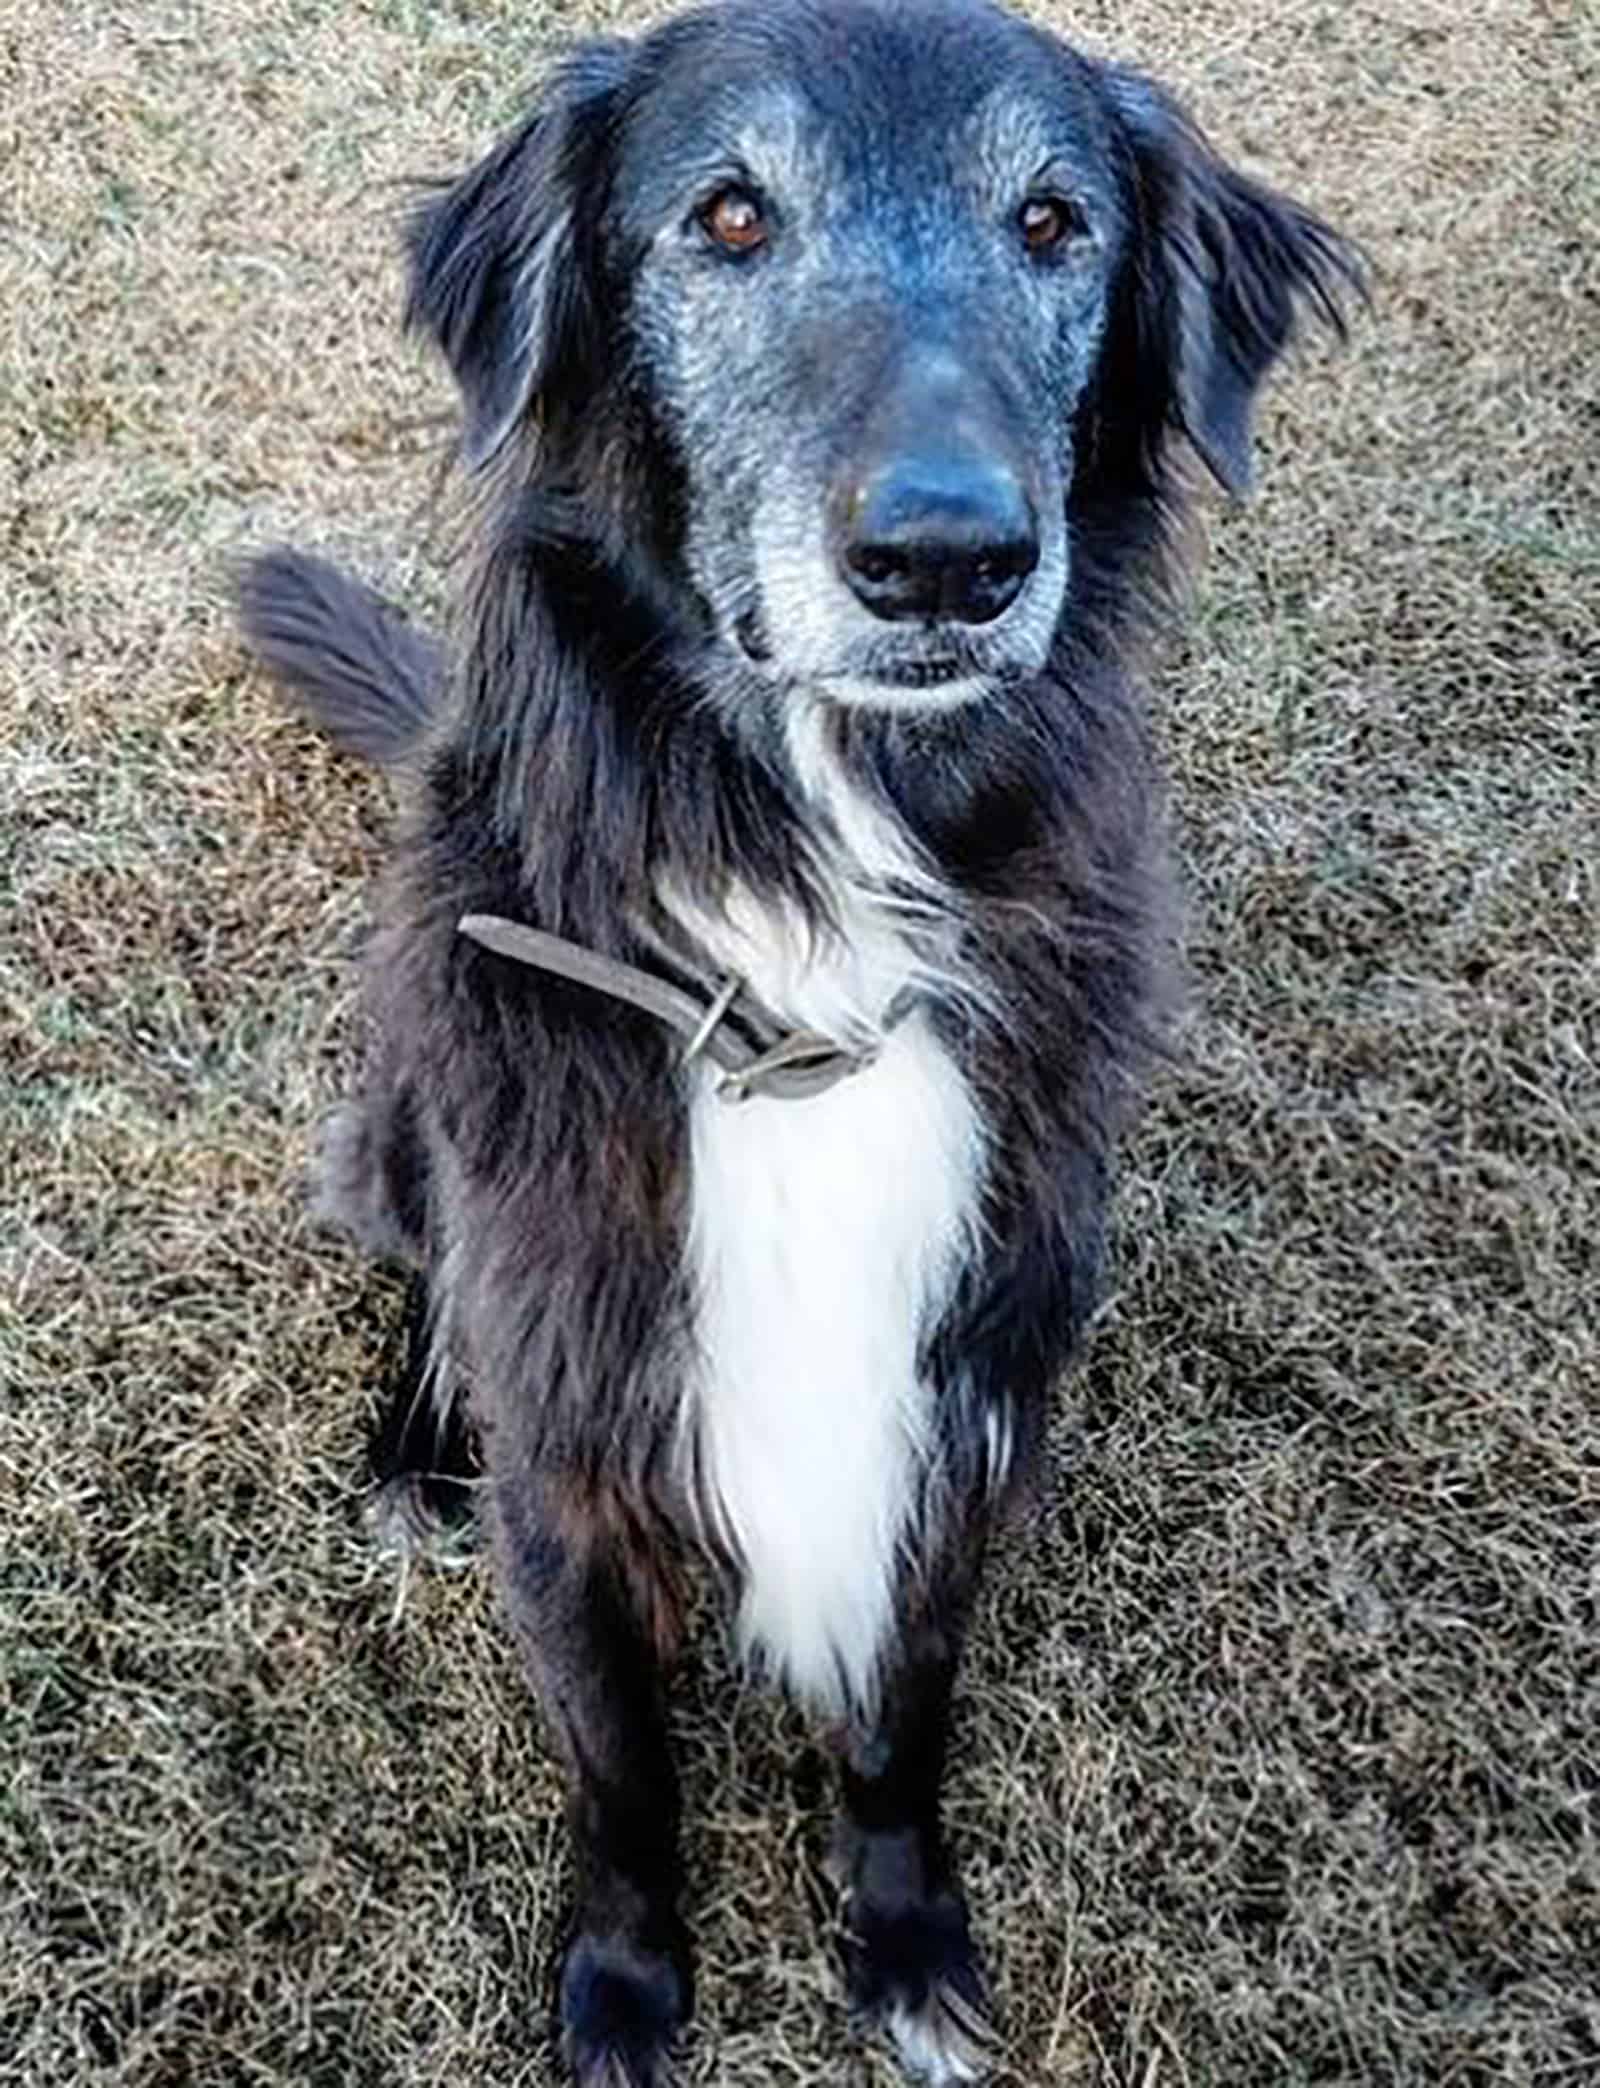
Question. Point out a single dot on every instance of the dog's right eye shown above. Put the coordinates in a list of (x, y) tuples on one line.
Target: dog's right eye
[(733, 220), (1048, 222)]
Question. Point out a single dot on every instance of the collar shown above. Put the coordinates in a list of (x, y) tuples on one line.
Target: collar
[(784, 1064)]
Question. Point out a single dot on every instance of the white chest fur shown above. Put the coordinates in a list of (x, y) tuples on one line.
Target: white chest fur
[(825, 1237)]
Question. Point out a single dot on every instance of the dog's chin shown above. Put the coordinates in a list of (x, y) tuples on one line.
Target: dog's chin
[(926, 672), (928, 682), (926, 690)]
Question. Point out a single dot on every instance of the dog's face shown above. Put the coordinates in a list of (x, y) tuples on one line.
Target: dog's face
[(872, 252), (876, 285)]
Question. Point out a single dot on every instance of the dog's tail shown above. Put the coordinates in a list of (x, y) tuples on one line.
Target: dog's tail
[(346, 658)]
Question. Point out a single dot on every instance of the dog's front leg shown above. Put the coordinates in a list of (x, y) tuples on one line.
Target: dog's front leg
[(589, 1608), (910, 1959)]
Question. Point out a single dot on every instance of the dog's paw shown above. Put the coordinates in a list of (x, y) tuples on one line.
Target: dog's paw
[(425, 1517), (948, 2039), (912, 1967), (621, 2008)]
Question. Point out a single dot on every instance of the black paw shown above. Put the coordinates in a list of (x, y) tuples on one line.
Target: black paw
[(621, 2007), (910, 1964)]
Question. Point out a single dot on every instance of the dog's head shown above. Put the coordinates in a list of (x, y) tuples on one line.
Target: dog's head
[(853, 313)]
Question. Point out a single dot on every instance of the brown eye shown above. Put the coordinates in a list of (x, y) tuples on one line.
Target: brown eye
[(733, 219), (1049, 221)]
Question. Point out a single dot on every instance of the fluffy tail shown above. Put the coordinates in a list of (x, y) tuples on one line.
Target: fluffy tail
[(347, 659)]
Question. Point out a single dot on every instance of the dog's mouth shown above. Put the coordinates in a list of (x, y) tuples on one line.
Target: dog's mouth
[(798, 632), (931, 672), (900, 676)]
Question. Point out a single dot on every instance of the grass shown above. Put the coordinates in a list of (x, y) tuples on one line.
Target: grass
[(1279, 1757)]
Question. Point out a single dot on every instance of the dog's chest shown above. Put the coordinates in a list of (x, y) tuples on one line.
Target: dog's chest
[(825, 1237)]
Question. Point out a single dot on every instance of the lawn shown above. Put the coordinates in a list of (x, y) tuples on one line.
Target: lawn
[(1281, 1737)]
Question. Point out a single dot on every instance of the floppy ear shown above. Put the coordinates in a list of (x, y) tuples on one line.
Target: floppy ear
[(496, 275), (1231, 262)]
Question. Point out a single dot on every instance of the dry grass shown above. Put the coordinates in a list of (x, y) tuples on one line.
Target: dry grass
[(1279, 1757)]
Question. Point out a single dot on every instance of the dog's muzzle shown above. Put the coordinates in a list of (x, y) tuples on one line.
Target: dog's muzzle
[(938, 538), (931, 521)]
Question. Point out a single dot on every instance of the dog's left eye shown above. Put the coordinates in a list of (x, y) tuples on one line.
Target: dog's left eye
[(734, 220), (1050, 221)]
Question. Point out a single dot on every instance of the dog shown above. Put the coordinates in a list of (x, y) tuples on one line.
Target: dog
[(778, 928)]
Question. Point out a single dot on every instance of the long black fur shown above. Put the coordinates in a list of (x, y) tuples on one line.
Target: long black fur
[(588, 739), (350, 660)]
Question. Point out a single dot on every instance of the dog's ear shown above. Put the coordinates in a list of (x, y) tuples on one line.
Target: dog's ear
[(1228, 263), (496, 272)]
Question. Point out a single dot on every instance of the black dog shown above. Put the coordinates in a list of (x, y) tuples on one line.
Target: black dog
[(823, 367)]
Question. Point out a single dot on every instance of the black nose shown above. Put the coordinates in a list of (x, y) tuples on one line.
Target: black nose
[(949, 541)]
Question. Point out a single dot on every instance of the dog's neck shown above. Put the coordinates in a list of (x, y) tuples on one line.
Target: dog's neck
[(888, 931)]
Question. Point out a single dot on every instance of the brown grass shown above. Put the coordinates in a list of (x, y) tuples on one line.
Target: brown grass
[(1279, 1755)]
